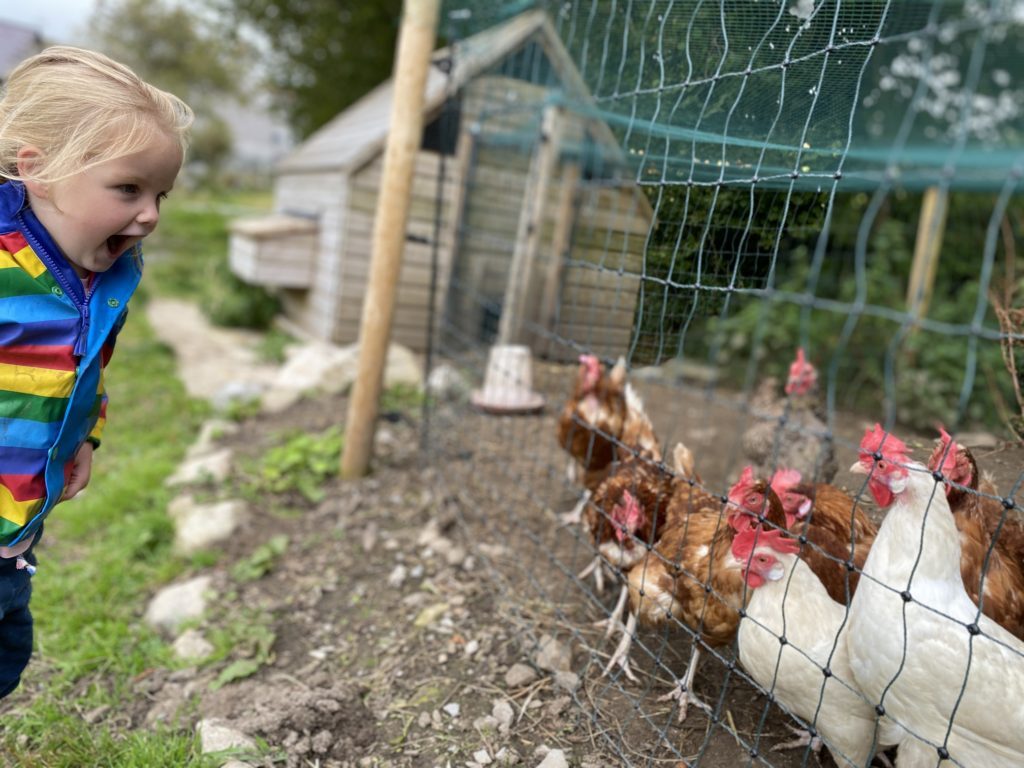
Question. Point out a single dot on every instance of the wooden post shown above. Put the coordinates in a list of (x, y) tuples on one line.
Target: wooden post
[(528, 231), (412, 64), (930, 230), (560, 244)]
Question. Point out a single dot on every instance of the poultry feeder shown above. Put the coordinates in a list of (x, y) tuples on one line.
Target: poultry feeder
[(508, 382)]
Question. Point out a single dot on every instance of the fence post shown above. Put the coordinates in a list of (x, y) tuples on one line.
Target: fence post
[(531, 218), (412, 63), (930, 230)]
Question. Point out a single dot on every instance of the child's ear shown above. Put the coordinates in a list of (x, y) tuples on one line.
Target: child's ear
[(29, 158)]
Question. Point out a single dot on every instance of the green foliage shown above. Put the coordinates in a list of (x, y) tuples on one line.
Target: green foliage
[(321, 55), (178, 50), (735, 296), (261, 561), (273, 345), (403, 398), (248, 642), (302, 464), (231, 302), (191, 259)]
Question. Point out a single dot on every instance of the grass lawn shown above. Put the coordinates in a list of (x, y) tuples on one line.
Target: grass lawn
[(106, 552)]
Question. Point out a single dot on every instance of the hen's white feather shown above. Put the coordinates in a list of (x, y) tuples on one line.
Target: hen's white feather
[(917, 657), (798, 607)]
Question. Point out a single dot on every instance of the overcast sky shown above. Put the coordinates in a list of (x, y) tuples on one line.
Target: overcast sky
[(59, 21)]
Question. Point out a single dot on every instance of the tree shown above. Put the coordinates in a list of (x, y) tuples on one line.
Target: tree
[(182, 51), (321, 55)]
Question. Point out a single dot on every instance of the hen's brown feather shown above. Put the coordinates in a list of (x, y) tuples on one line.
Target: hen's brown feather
[(839, 534), (993, 574), (652, 485), (691, 574)]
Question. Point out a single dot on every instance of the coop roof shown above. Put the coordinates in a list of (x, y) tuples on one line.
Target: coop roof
[(358, 134)]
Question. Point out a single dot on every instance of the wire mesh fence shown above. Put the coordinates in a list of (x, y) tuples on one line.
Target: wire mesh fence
[(736, 286)]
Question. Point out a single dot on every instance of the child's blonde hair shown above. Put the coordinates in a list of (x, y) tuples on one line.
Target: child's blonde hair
[(80, 108)]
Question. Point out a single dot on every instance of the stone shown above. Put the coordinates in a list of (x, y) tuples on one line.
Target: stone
[(208, 468), (504, 714), (555, 758), (566, 681), (211, 431), (236, 393), (216, 736), (520, 675), (178, 603), (446, 383), (322, 367), (200, 526), (192, 645), (553, 656)]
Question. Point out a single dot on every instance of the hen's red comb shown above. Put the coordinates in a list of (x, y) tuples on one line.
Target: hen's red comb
[(877, 440), (746, 481), (946, 450), (802, 375), (784, 479), (744, 542)]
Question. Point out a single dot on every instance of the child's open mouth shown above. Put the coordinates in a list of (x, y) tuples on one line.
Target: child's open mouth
[(116, 245)]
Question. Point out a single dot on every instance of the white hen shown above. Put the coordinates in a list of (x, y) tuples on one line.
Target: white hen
[(918, 646), (788, 600)]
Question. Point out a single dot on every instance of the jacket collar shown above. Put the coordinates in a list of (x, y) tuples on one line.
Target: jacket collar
[(14, 207)]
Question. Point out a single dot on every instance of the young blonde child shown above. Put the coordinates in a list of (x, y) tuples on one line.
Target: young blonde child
[(87, 152)]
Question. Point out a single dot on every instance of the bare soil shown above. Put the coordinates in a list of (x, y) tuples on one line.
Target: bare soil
[(403, 600)]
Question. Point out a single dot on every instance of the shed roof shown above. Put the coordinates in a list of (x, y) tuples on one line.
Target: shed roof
[(358, 133)]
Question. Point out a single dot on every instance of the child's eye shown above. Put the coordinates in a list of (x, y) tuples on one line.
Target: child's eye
[(128, 189)]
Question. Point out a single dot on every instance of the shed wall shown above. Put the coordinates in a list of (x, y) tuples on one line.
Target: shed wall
[(322, 196), (411, 316)]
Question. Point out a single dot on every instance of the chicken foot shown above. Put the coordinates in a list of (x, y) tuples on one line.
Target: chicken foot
[(615, 617), (803, 739), (683, 691), (575, 515), (596, 567), (620, 657)]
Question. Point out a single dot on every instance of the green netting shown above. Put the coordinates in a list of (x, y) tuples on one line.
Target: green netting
[(795, 94), (719, 184)]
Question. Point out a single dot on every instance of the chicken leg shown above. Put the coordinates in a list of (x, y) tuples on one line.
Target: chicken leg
[(683, 691)]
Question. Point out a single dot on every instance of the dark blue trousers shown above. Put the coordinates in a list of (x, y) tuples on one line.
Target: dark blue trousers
[(15, 622)]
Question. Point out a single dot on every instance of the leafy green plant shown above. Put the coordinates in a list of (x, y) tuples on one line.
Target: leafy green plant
[(301, 464), (273, 344), (261, 561), (252, 647), (404, 398)]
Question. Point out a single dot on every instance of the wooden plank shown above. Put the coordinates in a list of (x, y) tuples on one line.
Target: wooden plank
[(930, 231), (561, 242)]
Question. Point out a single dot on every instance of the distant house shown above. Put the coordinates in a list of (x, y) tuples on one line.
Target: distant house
[(259, 138), (19, 42), (513, 186)]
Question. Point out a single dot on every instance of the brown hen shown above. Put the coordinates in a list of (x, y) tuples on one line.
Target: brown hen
[(995, 572)]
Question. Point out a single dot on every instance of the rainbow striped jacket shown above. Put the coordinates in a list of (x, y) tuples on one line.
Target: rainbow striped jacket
[(55, 341)]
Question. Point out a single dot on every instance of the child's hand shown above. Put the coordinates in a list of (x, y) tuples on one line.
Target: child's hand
[(81, 472)]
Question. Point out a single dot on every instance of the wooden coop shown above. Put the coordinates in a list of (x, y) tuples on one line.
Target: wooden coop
[(537, 219)]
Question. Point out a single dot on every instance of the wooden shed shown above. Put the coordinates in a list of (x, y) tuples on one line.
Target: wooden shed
[(525, 217)]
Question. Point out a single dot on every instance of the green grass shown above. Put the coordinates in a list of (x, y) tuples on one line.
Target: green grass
[(106, 552)]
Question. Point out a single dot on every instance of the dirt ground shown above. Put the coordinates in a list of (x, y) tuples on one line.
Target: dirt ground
[(403, 603)]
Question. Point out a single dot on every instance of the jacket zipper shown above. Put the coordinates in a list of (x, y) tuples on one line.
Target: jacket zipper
[(71, 291)]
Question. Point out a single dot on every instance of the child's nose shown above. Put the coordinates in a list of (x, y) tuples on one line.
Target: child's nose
[(149, 215)]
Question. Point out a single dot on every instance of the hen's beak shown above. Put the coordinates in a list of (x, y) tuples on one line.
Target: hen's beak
[(858, 469)]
